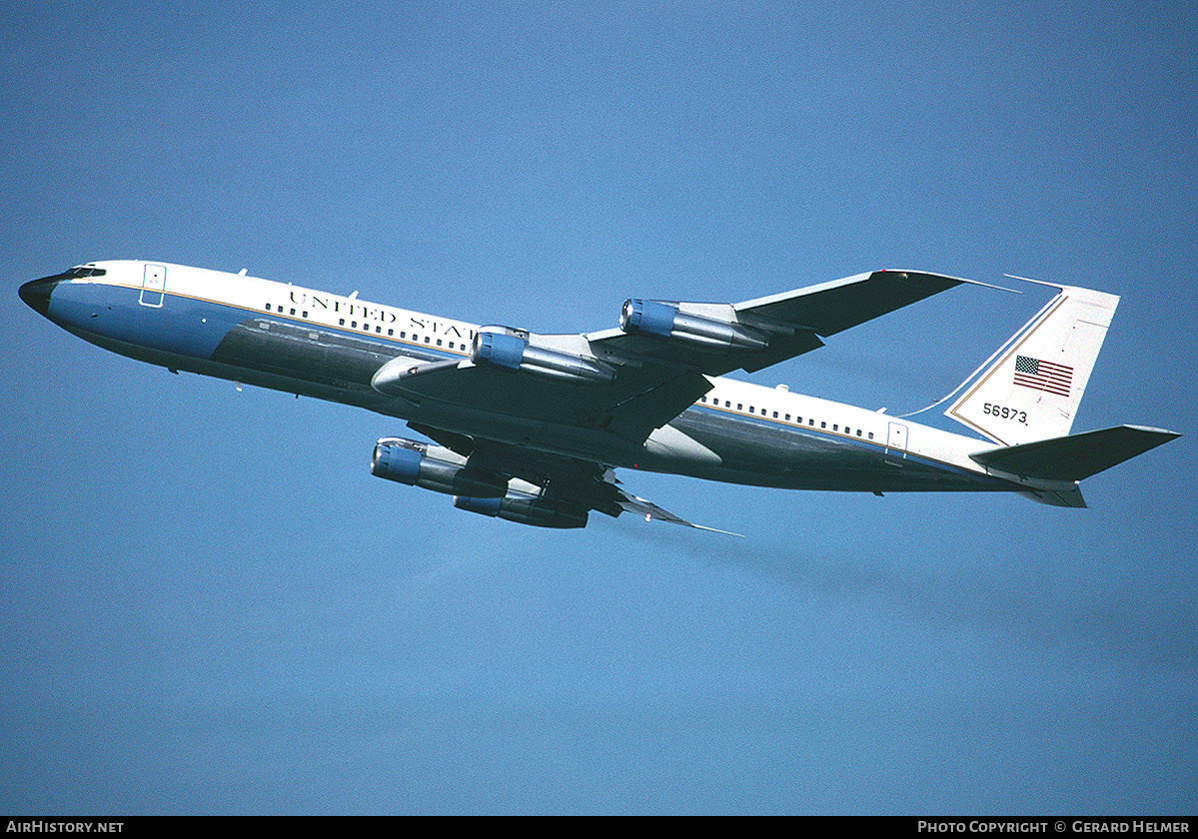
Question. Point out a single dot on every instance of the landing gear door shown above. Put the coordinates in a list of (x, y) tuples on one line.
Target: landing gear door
[(153, 285), (896, 439)]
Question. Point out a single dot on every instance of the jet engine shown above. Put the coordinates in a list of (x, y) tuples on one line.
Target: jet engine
[(525, 508), (661, 320), (433, 467), (509, 349)]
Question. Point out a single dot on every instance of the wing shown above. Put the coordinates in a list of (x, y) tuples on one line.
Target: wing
[(555, 489), (768, 330), (624, 383)]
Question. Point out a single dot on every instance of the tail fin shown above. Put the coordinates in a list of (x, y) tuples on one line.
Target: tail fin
[(1033, 388)]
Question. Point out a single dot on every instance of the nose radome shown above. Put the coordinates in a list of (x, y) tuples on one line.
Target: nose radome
[(37, 293)]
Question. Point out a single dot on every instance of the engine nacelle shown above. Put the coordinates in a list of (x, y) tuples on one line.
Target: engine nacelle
[(523, 508), (432, 467), (509, 351), (661, 320)]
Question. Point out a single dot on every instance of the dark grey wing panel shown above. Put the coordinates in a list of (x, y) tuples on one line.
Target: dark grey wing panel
[(642, 397), (833, 307), (793, 321)]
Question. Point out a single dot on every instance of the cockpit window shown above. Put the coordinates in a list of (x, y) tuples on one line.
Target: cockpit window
[(81, 271), (77, 273)]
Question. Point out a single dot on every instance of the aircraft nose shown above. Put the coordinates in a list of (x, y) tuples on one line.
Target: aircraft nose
[(37, 293)]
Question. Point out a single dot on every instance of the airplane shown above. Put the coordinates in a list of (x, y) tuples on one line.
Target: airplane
[(531, 427)]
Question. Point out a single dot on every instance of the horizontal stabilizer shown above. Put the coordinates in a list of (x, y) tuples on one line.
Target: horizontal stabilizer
[(1069, 497), (1075, 457)]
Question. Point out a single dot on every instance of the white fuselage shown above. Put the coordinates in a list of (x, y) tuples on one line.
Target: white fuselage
[(329, 346)]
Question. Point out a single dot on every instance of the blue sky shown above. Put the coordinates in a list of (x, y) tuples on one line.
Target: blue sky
[(211, 607)]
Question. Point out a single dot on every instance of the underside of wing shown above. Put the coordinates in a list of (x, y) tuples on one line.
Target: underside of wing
[(521, 484), (638, 400), (835, 306), (719, 338)]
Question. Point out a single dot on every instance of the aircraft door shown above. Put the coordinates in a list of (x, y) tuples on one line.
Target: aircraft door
[(153, 285), (896, 439)]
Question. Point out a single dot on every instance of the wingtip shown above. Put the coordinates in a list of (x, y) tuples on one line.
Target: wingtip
[(716, 530), (1157, 432), (676, 520)]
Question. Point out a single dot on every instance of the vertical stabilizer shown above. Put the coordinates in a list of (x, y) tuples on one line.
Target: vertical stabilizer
[(1033, 388)]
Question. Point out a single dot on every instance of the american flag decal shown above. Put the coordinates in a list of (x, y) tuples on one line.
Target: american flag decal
[(1043, 375)]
